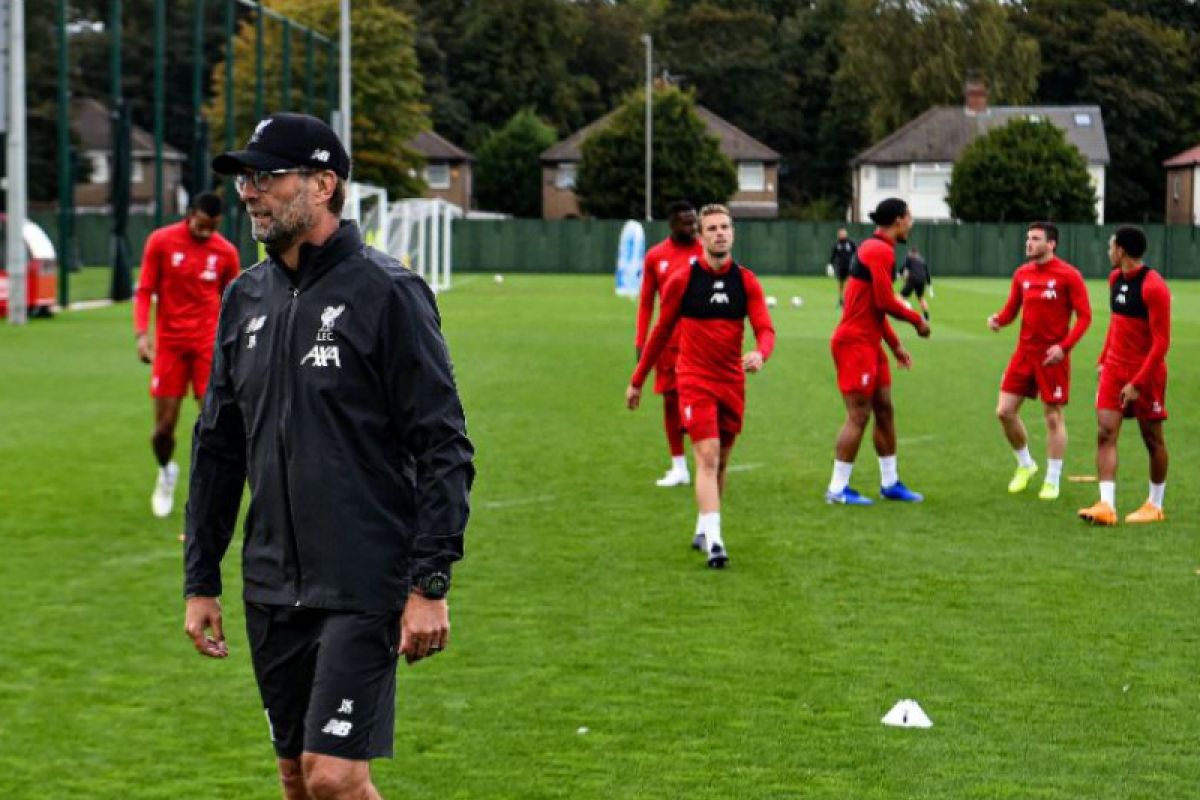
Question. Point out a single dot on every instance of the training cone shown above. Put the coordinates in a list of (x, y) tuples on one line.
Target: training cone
[(907, 714)]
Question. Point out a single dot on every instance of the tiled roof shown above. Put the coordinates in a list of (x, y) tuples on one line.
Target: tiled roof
[(438, 148)]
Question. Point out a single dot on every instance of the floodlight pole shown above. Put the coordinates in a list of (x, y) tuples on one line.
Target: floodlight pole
[(344, 74), (649, 42), (14, 250)]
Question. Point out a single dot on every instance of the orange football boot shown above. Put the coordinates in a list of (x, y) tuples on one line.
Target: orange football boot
[(1100, 514), (1147, 513)]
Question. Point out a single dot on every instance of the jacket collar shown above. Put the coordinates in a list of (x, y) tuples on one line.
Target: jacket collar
[(316, 260)]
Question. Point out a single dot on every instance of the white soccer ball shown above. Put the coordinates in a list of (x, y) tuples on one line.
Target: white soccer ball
[(771, 301), (797, 301), (829, 270), (499, 278)]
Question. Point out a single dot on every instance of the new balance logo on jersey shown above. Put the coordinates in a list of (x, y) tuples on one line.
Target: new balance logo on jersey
[(1049, 293), (253, 327), (719, 297), (338, 727), (1122, 299), (322, 356)]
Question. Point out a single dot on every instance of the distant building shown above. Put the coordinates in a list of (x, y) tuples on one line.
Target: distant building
[(757, 170), (91, 122), (1183, 188), (915, 161), (448, 169)]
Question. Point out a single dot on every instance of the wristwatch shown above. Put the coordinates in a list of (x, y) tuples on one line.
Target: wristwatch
[(432, 585)]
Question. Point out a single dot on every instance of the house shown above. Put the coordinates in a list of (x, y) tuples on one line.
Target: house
[(915, 161), (1183, 188), (757, 170), (91, 122), (448, 169)]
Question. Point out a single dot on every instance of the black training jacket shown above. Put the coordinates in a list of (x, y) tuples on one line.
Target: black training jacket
[(332, 392)]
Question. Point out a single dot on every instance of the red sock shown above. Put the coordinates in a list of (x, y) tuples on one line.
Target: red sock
[(672, 423)]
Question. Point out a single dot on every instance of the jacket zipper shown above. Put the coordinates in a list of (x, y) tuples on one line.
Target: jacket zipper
[(284, 418)]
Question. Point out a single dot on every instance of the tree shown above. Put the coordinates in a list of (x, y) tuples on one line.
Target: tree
[(508, 175), (386, 86), (688, 162), (1024, 170)]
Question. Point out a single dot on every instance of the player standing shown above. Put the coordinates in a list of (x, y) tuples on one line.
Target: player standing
[(671, 255), (1133, 375), (863, 376), (186, 266), (1049, 290), (917, 277), (709, 303), (839, 261)]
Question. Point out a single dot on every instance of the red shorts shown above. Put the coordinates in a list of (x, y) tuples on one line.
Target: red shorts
[(861, 368), (664, 371), (1152, 398), (1027, 377), (712, 410), (176, 365)]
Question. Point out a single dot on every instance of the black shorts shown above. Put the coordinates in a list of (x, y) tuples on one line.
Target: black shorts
[(841, 272), (913, 286), (327, 678)]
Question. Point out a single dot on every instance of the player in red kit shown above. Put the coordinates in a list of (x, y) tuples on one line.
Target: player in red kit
[(1133, 375), (1046, 291), (863, 376), (709, 303), (671, 255), (186, 266)]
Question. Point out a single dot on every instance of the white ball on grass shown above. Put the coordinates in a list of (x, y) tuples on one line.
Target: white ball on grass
[(771, 301), (499, 278), (797, 301)]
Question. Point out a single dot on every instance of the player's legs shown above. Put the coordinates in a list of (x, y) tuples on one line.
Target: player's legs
[(1156, 447), (884, 438), (1008, 411), (678, 474), (332, 778), (849, 438), (1108, 429), (291, 777), (166, 417), (1056, 449), (709, 478)]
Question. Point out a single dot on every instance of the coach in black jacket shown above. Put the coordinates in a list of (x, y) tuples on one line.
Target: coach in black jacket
[(332, 392)]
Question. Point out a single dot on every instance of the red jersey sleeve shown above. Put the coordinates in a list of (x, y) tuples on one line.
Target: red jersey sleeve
[(147, 286), (1081, 304), (889, 335), (232, 267), (760, 317), (645, 301), (1009, 312), (668, 317), (1158, 309), (885, 295)]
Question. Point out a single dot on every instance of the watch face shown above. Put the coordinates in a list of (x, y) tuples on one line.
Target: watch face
[(435, 585)]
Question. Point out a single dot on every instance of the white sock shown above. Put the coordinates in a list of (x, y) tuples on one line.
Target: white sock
[(887, 471), (1053, 470), (679, 464), (841, 475), (1157, 490), (1023, 457), (710, 525), (1108, 493)]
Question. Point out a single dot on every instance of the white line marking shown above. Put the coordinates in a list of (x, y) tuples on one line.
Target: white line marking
[(89, 305), (914, 439), (743, 467), (517, 501)]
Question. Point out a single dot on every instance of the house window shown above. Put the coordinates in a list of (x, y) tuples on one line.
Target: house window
[(564, 178), (887, 177), (1175, 184), (437, 176), (751, 176), (137, 171), (99, 168), (930, 177)]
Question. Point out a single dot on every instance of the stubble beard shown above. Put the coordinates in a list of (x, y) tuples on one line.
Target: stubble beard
[(286, 226)]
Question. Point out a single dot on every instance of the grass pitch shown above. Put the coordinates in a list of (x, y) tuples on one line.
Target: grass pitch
[(593, 655)]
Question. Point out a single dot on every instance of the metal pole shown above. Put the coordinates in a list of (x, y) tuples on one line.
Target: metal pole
[(344, 83), (286, 89), (160, 55), (200, 178), (259, 111), (66, 200), (649, 42), (309, 86), (230, 220), (14, 250)]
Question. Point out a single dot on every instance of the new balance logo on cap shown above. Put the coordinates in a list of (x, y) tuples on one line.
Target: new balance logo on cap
[(287, 141), (320, 155)]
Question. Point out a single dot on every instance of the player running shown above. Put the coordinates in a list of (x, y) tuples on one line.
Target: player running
[(709, 302), (186, 266), (863, 376), (1049, 290), (1133, 375), (671, 255)]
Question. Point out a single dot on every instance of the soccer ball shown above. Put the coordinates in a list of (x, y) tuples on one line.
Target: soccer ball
[(771, 301), (797, 301), (499, 278), (829, 270)]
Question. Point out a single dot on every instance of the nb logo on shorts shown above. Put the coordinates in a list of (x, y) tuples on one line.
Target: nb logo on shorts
[(338, 727), (687, 413), (1058, 392), (866, 378)]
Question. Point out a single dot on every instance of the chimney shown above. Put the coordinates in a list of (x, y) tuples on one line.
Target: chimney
[(976, 96)]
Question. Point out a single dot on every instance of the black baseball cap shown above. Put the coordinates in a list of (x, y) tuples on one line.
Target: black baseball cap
[(287, 141), (888, 211)]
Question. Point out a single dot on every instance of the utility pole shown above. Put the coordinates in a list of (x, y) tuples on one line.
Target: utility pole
[(649, 42), (14, 250), (66, 166)]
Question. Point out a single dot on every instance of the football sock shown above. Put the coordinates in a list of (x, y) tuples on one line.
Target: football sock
[(679, 463), (1108, 493), (710, 525), (1053, 470), (1157, 490), (1023, 457), (841, 475), (887, 471), (672, 423)]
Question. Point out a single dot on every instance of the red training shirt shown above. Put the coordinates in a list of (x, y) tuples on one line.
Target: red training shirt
[(1049, 293), (1139, 332), (188, 276), (710, 308), (661, 262), (869, 296)]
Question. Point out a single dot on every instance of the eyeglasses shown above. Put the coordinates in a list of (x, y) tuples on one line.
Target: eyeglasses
[(261, 179)]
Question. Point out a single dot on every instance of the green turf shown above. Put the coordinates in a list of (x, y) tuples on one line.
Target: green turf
[(1057, 661)]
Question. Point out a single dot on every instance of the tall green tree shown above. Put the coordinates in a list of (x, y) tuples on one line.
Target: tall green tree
[(688, 162), (1024, 170), (508, 174)]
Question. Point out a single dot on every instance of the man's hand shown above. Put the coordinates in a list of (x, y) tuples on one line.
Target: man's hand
[(204, 614), (752, 361), (424, 627), (1129, 393), (1054, 355), (903, 357), (145, 349), (633, 397), (993, 323), (923, 329)]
